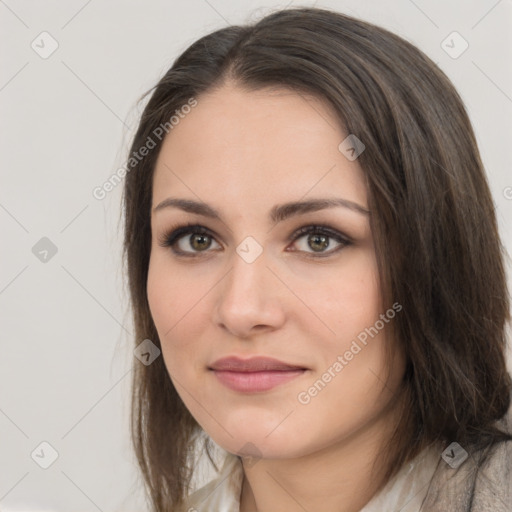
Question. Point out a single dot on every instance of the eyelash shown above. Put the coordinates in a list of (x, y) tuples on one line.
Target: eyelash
[(172, 237)]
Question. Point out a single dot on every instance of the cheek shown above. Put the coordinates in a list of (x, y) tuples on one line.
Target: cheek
[(171, 294), (348, 302), (178, 303), (346, 298), (161, 296)]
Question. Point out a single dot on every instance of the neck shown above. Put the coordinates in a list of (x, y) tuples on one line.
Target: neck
[(339, 478)]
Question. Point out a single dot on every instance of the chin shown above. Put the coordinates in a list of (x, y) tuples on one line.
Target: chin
[(256, 442)]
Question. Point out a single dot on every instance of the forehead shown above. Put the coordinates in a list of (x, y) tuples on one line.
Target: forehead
[(258, 146)]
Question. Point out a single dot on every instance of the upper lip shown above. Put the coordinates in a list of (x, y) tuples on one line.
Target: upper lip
[(253, 364)]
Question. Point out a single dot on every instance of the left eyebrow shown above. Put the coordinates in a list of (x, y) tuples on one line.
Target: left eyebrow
[(282, 212), (278, 213)]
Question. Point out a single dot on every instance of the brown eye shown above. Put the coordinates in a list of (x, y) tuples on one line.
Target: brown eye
[(189, 240), (199, 241), (319, 240)]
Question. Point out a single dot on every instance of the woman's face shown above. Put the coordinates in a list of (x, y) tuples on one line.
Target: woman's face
[(252, 169)]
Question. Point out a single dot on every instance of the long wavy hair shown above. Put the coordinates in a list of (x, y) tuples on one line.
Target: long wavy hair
[(438, 249)]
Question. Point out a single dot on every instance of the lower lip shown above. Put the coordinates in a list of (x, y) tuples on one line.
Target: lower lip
[(250, 382)]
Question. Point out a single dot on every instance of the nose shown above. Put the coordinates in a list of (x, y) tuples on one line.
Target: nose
[(249, 300)]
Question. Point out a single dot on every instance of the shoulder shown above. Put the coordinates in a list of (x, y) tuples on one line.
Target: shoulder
[(481, 483)]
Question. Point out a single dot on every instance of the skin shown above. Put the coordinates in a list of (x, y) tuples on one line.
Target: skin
[(242, 153)]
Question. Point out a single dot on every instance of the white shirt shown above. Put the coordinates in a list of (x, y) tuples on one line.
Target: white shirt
[(404, 492)]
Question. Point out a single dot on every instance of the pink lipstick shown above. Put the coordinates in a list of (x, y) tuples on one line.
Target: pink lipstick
[(256, 374)]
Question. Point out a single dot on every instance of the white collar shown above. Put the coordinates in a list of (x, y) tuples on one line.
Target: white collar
[(405, 492)]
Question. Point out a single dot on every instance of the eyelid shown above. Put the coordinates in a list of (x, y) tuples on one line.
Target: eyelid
[(322, 229), (169, 238)]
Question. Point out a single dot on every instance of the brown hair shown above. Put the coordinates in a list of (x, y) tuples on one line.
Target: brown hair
[(433, 223)]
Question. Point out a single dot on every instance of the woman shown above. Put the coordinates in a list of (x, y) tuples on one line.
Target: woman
[(311, 243)]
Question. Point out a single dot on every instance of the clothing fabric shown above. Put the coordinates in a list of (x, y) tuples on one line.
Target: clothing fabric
[(435, 481)]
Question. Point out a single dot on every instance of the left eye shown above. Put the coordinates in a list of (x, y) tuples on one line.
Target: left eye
[(319, 239)]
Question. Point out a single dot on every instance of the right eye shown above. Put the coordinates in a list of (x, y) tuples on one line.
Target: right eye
[(189, 240)]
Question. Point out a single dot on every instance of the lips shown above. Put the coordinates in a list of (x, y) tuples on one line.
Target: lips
[(254, 364), (256, 374)]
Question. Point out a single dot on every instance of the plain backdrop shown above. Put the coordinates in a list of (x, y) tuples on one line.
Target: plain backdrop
[(66, 121)]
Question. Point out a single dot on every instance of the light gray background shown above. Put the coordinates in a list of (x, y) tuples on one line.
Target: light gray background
[(66, 348)]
